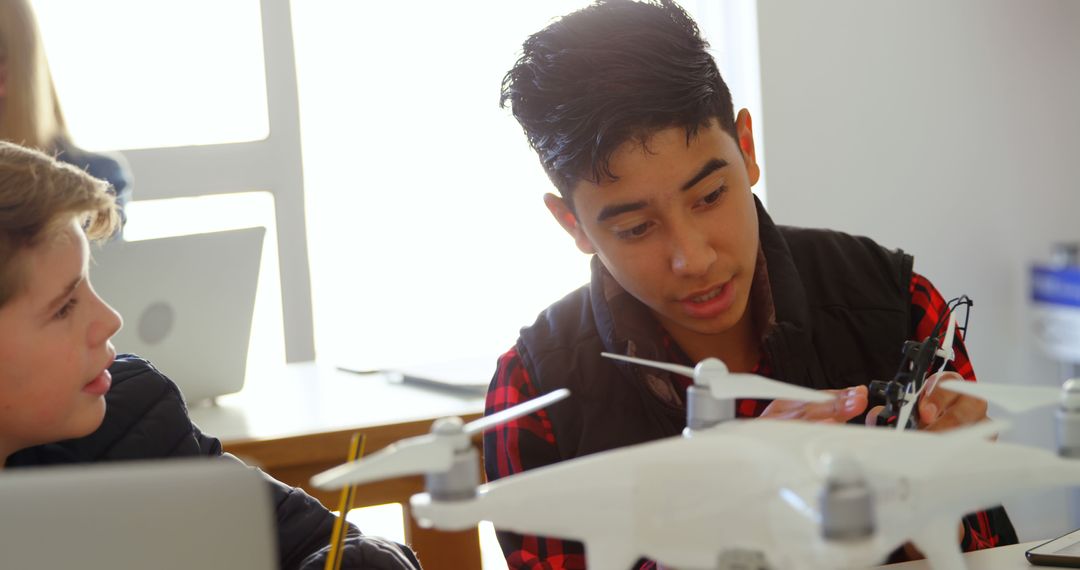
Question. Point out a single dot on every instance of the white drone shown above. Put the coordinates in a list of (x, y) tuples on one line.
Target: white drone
[(729, 493)]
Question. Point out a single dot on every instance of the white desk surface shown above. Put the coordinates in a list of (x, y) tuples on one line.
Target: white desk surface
[(1002, 558), (310, 397)]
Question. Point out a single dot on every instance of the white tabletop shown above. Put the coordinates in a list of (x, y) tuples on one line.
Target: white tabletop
[(309, 397), (1001, 558)]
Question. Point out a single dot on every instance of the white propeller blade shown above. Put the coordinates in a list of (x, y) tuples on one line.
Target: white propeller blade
[(908, 407), (1014, 399), (760, 387), (676, 368), (946, 350), (431, 453), (728, 386), (420, 454), (512, 413), (986, 429)]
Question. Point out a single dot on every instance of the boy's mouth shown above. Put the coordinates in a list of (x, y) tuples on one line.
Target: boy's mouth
[(710, 302), (707, 296), (100, 384)]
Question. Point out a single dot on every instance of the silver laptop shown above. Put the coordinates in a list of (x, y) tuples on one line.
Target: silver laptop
[(187, 304), (176, 514)]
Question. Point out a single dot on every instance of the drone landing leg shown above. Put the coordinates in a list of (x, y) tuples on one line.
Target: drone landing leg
[(938, 543), (609, 555), (739, 559)]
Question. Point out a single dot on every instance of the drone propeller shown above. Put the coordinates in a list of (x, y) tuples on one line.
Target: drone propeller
[(430, 453), (512, 413), (946, 350), (1014, 399), (724, 385)]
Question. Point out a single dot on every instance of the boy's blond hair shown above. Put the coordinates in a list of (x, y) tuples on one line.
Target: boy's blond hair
[(38, 196)]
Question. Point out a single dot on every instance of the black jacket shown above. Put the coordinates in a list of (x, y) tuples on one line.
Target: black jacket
[(146, 418)]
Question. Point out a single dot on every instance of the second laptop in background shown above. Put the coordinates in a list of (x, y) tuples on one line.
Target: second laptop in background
[(187, 304)]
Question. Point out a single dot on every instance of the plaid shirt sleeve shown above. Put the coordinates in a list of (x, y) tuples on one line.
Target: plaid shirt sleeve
[(520, 445), (984, 529)]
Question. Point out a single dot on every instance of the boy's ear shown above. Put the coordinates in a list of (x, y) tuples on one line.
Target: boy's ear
[(744, 128), (569, 222)]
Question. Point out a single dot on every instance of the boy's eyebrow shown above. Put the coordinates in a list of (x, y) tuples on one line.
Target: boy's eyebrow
[(616, 209), (67, 291), (710, 167)]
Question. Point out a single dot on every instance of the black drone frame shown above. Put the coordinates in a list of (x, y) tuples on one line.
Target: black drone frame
[(918, 360)]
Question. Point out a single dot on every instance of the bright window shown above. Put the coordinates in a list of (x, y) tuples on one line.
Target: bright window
[(137, 74), (428, 239)]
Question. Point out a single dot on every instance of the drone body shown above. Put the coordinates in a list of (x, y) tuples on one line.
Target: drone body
[(756, 486), (792, 494)]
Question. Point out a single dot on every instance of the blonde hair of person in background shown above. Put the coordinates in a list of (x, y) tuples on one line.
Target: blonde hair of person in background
[(30, 112)]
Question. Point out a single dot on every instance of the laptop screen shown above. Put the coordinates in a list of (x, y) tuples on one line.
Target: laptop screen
[(187, 304), (175, 514)]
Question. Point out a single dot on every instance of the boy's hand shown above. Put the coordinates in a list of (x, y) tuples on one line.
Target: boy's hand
[(941, 410), (848, 403)]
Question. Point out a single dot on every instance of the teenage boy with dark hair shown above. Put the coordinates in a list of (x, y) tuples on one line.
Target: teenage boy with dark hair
[(634, 125), (63, 397)]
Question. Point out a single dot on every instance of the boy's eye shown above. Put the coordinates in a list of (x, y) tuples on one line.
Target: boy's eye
[(634, 232), (712, 197), (65, 310)]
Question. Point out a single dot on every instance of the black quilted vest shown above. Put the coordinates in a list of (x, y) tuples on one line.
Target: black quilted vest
[(841, 316)]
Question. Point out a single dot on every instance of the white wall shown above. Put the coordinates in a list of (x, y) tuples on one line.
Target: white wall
[(951, 130)]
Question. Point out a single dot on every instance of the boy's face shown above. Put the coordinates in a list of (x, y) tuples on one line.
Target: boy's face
[(678, 229), (54, 347)]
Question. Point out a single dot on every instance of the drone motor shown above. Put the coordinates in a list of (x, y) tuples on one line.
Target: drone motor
[(458, 483), (704, 411), (1068, 420), (847, 503)]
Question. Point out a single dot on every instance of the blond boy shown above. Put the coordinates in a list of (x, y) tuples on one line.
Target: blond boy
[(65, 396)]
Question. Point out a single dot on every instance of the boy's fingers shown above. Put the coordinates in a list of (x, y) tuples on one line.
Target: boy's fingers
[(781, 408), (872, 415), (847, 404), (933, 402), (964, 411)]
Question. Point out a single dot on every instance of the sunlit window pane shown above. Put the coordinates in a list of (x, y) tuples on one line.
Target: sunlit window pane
[(429, 239), (428, 236), (137, 74)]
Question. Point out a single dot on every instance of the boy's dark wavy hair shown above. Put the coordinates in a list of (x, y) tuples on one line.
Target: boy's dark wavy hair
[(615, 71)]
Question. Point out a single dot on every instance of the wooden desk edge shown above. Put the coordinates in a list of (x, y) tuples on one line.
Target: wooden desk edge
[(293, 460)]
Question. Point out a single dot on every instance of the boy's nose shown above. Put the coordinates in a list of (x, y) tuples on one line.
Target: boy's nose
[(691, 254), (106, 325)]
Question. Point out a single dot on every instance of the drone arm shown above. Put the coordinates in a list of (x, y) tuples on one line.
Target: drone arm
[(937, 541)]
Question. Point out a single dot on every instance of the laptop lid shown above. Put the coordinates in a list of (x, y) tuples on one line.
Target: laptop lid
[(175, 514), (187, 304)]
